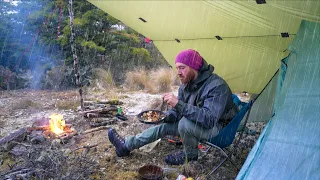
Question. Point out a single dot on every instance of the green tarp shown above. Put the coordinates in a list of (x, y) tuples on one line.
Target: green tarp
[(251, 47), (289, 147)]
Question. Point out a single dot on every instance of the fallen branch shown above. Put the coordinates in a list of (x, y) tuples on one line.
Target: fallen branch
[(68, 135), (12, 173), (95, 129), (103, 123), (22, 144), (86, 147)]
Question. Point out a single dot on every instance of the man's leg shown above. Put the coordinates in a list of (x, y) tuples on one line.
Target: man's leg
[(151, 134), (191, 134)]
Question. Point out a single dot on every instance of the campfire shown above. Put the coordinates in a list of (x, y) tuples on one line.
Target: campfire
[(58, 128), (57, 124), (44, 150), (51, 143), (53, 128)]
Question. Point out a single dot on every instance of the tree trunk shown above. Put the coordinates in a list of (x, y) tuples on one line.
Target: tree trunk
[(74, 54)]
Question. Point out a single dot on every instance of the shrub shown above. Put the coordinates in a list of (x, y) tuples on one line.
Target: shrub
[(156, 81), (138, 80), (102, 79), (162, 79)]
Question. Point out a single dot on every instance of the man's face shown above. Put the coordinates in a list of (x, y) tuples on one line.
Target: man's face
[(185, 73)]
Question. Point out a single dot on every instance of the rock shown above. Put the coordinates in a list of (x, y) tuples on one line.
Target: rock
[(124, 124), (19, 150), (42, 156), (38, 139), (66, 151), (56, 143)]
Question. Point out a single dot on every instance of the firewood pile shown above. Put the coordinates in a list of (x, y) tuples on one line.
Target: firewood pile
[(103, 113), (101, 109)]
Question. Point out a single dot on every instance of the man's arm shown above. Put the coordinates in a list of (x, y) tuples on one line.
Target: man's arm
[(172, 114), (212, 109)]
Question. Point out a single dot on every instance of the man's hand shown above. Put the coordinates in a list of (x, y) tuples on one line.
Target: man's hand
[(170, 99)]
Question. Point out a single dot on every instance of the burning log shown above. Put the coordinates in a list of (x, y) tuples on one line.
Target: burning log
[(52, 128), (38, 128)]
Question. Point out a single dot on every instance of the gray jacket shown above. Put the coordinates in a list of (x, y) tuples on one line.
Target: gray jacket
[(206, 101)]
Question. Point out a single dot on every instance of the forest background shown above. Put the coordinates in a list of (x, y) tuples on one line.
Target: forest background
[(35, 49)]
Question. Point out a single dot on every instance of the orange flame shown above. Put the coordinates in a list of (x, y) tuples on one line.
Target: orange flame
[(57, 123)]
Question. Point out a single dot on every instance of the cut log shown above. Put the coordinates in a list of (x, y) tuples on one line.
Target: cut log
[(112, 102), (99, 120), (96, 115), (100, 110), (103, 123), (8, 142), (88, 103), (92, 115)]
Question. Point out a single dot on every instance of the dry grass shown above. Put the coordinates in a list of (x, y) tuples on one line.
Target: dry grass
[(127, 175), (111, 94), (138, 80), (25, 104), (102, 79), (68, 104), (154, 81), (162, 79), (66, 94)]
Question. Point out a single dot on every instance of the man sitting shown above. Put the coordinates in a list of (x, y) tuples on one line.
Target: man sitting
[(204, 105)]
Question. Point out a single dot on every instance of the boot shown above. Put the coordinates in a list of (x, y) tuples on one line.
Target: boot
[(118, 142)]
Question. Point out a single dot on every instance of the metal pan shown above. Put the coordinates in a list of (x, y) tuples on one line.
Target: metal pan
[(142, 117)]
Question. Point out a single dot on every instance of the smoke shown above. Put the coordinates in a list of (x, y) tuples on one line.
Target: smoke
[(23, 49)]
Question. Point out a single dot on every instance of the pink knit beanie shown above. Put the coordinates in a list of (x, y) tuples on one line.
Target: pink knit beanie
[(190, 58)]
